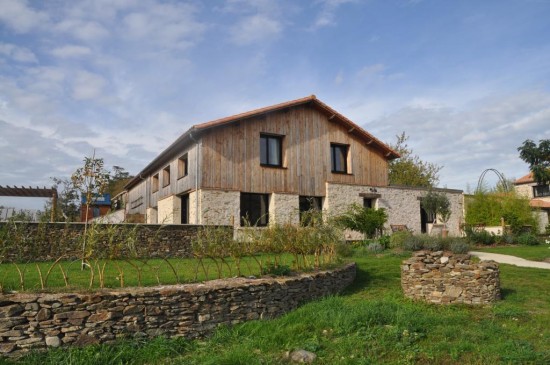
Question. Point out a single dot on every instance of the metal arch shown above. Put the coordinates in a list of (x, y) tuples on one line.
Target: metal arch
[(500, 176)]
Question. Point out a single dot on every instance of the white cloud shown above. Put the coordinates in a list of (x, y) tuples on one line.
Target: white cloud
[(255, 28), (16, 53), (371, 70), (20, 17), (71, 51), (87, 85), (327, 14), (84, 30)]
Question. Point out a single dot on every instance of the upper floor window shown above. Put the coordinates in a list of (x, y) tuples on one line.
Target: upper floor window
[(155, 183), (339, 158), (183, 163), (271, 150), (166, 176), (541, 190)]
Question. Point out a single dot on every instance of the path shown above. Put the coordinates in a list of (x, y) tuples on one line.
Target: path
[(512, 260)]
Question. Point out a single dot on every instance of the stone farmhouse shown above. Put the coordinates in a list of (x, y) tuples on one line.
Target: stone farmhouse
[(271, 164), (539, 196)]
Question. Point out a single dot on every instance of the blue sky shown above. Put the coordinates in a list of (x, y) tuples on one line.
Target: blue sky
[(468, 81)]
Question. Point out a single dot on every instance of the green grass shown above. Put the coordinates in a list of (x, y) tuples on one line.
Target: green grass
[(371, 323), (535, 253), (134, 272)]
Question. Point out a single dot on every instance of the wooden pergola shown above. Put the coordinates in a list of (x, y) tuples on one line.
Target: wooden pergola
[(30, 192)]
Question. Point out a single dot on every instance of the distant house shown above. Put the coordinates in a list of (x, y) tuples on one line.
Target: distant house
[(99, 207), (539, 196), (269, 165)]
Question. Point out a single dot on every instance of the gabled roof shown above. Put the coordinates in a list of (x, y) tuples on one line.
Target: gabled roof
[(525, 179), (190, 135)]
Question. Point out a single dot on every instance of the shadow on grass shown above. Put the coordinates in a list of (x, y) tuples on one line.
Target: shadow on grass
[(504, 292), (361, 282)]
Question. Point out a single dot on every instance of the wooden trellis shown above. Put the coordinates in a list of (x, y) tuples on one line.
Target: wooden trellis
[(23, 192)]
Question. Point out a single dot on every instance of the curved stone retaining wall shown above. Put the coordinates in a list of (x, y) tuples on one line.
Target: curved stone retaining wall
[(447, 278), (34, 321)]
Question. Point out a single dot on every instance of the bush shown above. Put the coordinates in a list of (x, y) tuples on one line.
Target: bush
[(384, 241), (397, 239), (528, 239), (344, 249), (413, 243), (459, 246), (277, 269), (365, 220), (375, 247), (480, 237)]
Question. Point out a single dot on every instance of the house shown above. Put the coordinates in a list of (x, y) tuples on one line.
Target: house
[(269, 165), (539, 196), (99, 206)]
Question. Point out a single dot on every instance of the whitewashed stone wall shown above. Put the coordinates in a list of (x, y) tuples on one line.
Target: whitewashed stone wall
[(220, 207), (284, 208), (525, 190), (169, 210), (401, 203)]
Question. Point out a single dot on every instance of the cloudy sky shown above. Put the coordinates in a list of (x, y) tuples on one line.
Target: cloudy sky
[(468, 81)]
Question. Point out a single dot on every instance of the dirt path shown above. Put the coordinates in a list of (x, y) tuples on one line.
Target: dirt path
[(512, 260)]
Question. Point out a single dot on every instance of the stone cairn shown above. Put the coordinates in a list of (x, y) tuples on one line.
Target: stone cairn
[(443, 277)]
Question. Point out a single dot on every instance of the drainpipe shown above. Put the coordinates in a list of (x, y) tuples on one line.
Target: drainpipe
[(146, 195), (197, 216)]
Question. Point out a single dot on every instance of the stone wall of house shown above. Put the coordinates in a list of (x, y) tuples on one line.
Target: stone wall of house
[(447, 278), (169, 210), (49, 241), (37, 321), (284, 208), (401, 203), (220, 207)]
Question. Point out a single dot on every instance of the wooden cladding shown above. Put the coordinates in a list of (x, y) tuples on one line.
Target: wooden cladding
[(231, 155)]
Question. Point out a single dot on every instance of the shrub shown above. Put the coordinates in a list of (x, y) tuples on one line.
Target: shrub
[(459, 246), (384, 241), (344, 249), (528, 239), (413, 243), (277, 269), (375, 247), (480, 237), (365, 220), (397, 239)]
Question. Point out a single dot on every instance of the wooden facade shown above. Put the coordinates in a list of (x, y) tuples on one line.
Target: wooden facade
[(231, 155), (225, 155)]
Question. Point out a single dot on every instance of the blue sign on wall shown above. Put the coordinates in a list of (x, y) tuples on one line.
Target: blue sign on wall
[(103, 199)]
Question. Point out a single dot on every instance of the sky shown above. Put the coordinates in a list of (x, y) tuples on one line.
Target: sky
[(467, 81)]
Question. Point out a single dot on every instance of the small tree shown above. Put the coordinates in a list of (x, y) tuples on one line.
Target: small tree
[(365, 220), (437, 204), (91, 181)]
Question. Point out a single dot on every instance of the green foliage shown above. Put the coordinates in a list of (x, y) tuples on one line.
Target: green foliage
[(480, 237), (437, 203), (538, 158), (397, 239), (528, 239), (409, 169), (344, 249), (365, 220), (488, 209), (459, 246), (427, 242), (413, 243), (375, 247), (277, 269)]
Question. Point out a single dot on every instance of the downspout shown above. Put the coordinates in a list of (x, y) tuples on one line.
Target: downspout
[(196, 179), (146, 195)]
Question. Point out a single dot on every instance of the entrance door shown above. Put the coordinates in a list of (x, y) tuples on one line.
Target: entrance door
[(185, 209)]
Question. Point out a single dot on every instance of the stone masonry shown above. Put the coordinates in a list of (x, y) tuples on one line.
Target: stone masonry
[(447, 278), (37, 321)]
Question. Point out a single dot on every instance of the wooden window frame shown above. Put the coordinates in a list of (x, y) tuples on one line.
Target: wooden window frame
[(166, 176), (333, 148), (155, 183), (183, 166), (277, 137), (540, 191)]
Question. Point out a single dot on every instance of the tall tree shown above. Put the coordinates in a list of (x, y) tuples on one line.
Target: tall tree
[(409, 169), (68, 202), (538, 158)]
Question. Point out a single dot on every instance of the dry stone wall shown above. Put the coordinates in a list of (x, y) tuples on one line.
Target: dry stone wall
[(49, 241), (443, 277), (38, 321)]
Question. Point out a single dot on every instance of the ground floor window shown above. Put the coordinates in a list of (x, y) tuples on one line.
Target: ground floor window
[(254, 209), (185, 209), (369, 203), (308, 206)]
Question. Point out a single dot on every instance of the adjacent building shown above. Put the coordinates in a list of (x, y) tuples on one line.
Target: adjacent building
[(539, 195), (271, 164)]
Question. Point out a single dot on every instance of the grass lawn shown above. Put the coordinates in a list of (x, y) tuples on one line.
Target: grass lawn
[(371, 323), (535, 253)]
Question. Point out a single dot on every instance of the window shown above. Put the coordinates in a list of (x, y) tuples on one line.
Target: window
[(368, 203), (271, 150), (182, 166), (185, 209), (541, 190), (166, 176), (254, 209), (309, 205), (155, 183), (339, 158)]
